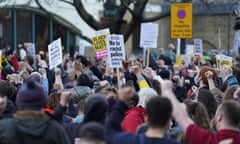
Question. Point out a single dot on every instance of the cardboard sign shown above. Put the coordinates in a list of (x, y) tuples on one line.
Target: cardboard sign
[(149, 35), (55, 53), (181, 20), (236, 44), (198, 47), (224, 60), (116, 50), (81, 48)]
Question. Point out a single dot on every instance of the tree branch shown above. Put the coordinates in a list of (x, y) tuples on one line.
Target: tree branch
[(155, 18), (86, 16), (136, 19)]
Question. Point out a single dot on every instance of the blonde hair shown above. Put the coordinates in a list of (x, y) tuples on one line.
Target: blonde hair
[(145, 94)]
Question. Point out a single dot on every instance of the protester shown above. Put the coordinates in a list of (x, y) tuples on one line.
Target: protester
[(29, 124), (157, 124), (136, 116), (227, 120)]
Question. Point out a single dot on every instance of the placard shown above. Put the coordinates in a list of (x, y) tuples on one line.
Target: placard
[(198, 47), (31, 50), (181, 20), (236, 44), (116, 50), (149, 35), (81, 47), (105, 31), (55, 53), (224, 60)]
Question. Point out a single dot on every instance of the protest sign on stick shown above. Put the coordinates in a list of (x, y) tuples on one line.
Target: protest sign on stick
[(236, 44), (116, 50), (224, 60), (148, 39), (55, 53), (198, 47), (81, 47), (99, 46)]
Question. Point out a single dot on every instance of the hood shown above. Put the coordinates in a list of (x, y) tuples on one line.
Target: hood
[(32, 123), (10, 109), (95, 109)]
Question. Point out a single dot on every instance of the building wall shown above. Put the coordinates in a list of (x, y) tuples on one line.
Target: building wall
[(205, 27)]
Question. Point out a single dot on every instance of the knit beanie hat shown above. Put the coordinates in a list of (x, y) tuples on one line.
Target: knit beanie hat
[(31, 96), (202, 72)]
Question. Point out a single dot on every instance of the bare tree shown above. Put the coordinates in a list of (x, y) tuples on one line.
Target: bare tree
[(115, 22)]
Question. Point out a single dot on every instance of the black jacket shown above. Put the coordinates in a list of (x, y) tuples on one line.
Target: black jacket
[(32, 127)]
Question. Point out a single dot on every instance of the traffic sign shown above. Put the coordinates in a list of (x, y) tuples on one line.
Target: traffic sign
[(181, 20)]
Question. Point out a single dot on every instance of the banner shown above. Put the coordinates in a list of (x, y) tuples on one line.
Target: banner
[(55, 53), (198, 46), (224, 60), (149, 35), (116, 50)]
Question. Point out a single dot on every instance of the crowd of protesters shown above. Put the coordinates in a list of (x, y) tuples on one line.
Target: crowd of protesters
[(83, 101)]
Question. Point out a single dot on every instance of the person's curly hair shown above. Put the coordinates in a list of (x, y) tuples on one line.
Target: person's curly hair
[(202, 72), (53, 100)]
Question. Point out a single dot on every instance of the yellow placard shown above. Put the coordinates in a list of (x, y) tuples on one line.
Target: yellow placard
[(179, 60), (181, 20), (99, 43), (223, 60)]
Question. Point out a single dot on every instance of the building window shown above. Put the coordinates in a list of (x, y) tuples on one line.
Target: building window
[(59, 32), (42, 32), (24, 26), (6, 24)]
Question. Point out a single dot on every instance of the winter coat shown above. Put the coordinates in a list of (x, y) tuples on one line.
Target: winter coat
[(30, 127), (9, 111), (133, 118)]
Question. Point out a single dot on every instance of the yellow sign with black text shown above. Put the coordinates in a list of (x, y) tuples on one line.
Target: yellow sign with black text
[(181, 20)]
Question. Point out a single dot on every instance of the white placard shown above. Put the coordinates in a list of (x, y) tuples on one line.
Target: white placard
[(198, 46), (81, 48), (105, 31), (116, 50), (55, 53), (31, 49), (149, 35), (236, 44), (189, 49)]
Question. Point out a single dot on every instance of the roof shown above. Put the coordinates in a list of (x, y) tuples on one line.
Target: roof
[(60, 11)]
